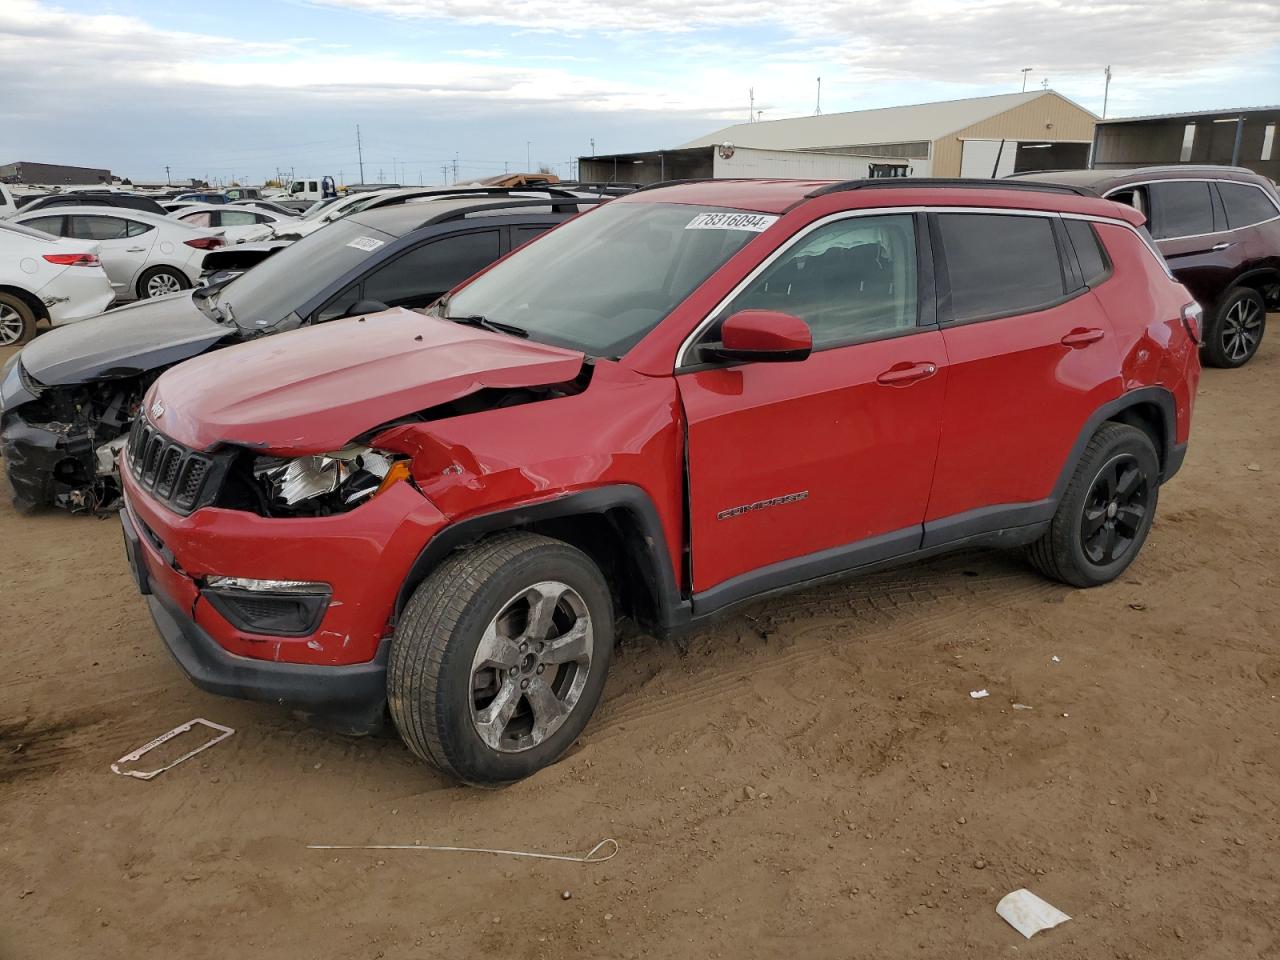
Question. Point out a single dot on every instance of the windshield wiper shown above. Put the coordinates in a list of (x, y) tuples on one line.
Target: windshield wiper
[(476, 320)]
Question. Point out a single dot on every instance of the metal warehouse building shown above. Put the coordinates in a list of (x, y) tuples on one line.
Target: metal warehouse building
[(977, 137), (52, 174), (1240, 137)]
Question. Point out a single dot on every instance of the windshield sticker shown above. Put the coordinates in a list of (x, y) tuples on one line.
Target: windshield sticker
[(753, 222), (367, 244)]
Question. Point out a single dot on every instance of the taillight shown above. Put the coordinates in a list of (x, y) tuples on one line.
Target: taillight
[(74, 259), (1193, 320), (205, 243)]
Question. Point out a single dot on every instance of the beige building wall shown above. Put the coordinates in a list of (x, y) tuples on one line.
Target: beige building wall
[(1051, 117)]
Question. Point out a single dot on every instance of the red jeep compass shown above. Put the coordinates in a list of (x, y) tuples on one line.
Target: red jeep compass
[(687, 398)]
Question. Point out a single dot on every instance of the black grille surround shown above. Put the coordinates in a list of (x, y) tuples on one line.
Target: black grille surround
[(184, 480)]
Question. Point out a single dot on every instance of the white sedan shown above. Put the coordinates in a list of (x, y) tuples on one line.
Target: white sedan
[(46, 278), (145, 255), (236, 223)]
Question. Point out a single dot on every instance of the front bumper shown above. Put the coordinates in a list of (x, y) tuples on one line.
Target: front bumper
[(350, 699), (36, 455)]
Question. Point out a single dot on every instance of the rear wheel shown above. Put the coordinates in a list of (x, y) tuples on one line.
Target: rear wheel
[(1107, 511), (1235, 331), (161, 281), (17, 321), (500, 658)]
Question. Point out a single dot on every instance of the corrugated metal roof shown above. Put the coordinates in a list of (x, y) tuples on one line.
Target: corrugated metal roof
[(1197, 114), (920, 121)]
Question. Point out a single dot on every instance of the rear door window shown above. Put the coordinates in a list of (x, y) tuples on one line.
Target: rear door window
[(98, 228), (237, 218), (200, 218), (1000, 265), (1245, 204), (522, 235), (1181, 209)]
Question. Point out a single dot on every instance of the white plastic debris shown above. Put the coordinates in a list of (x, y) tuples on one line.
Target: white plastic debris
[(222, 734), (979, 694), (1021, 706), (1028, 914), (1056, 660)]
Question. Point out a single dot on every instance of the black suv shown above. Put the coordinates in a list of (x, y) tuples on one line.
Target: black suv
[(96, 198), (1219, 229), (67, 399)]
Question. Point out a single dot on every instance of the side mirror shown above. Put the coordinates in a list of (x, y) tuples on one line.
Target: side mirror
[(365, 306), (762, 335)]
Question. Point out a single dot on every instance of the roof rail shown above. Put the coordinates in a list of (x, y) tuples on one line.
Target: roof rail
[(676, 183), (950, 182), (406, 194), (557, 205)]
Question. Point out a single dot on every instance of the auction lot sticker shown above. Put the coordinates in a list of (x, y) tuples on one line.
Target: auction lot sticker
[(755, 222), (367, 244)]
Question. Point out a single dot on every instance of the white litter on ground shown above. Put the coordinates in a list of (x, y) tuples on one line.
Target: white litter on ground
[(1028, 914), (223, 733), (979, 694)]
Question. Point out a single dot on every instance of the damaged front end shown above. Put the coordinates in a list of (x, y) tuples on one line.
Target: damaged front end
[(60, 445)]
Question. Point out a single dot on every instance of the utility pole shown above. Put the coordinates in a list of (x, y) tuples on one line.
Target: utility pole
[(1106, 91), (593, 146), (1025, 71), (506, 166), (751, 108), (455, 167), (444, 173), (360, 152), (1045, 83), (817, 111), (528, 156), (169, 182)]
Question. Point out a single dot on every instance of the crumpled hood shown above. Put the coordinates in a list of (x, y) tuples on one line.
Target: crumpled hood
[(123, 342), (313, 390)]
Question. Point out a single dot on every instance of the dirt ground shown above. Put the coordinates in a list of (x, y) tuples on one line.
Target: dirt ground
[(808, 778)]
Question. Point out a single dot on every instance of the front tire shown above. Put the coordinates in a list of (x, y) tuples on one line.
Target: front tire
[(162, 281), (1106, 512), (500, 658), (17, 321), (1234, 332)]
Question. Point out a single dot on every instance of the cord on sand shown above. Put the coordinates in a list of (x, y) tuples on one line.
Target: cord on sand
[(594, 855)]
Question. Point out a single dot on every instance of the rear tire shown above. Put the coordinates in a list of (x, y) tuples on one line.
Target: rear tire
[(493, 714), (1234, 333), (17, 321), (1106, 512), (162, 281)]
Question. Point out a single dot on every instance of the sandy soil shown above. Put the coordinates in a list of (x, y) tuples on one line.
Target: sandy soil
[(809, 778)]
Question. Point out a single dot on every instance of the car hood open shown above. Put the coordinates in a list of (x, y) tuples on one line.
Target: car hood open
[(315, 389), (123, 342)]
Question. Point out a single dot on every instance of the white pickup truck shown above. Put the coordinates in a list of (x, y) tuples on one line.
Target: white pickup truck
[(8, 204)]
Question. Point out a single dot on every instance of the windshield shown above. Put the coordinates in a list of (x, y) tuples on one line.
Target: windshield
[(602, 281), (282, 283)]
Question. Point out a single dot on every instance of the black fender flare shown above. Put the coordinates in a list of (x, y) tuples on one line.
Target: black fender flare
[(652, 557), (1160, 397)]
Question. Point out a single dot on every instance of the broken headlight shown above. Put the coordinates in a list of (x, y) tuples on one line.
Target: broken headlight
[(330, 482)]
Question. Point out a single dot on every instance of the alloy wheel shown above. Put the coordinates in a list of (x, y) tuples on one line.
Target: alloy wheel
[(163, 284), (11, 325), (1241, 330), (530, 669), (1114, 510)]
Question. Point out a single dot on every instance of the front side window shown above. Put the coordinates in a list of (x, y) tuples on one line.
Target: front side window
[(427, 271), (1245, 204), (1000, 265), (98, 228), (603, 280), (851, 280), (1182, 209)]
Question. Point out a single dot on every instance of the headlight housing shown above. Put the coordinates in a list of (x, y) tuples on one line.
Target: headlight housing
[(331, 482)]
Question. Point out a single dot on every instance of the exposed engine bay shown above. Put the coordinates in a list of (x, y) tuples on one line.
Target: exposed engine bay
[(62, 447)]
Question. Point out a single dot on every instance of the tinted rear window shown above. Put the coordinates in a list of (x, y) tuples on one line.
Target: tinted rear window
[(1245, 204), (1093, 262), (999, 265), (1182, 209)]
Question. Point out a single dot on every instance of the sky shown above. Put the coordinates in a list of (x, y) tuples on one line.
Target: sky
[(236, 89)]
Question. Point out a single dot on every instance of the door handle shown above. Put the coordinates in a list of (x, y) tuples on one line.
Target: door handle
[(1081, 337), (903, 373), (136, 250), (1219, 246)]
